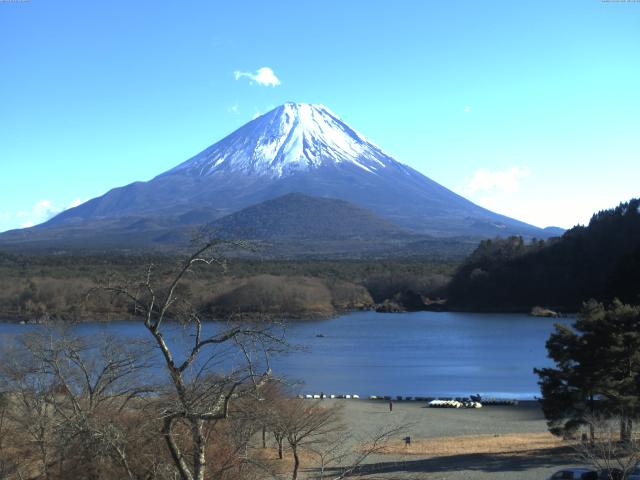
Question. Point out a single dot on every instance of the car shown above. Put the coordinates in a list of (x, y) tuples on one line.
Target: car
[(635, 473), (576, 473), (611, 474)]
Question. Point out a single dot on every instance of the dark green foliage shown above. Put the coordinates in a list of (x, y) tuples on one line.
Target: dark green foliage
[(386, 285), (600, 261), (597, 368), (298, 216)]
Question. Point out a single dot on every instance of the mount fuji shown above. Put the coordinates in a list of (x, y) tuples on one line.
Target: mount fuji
[(294, 148)]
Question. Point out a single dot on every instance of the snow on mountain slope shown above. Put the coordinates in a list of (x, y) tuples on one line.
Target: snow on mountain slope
[(291, 138), (297, 148)]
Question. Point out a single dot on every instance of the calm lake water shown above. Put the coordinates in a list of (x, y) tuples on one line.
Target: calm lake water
[(417, 354)]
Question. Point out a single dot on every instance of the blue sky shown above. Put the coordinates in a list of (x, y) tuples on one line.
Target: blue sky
[(527, 108)]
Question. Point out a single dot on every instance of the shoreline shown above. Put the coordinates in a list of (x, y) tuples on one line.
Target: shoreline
[(11, 318), (487, 400)]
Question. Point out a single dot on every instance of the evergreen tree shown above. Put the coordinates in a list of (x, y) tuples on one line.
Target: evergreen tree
[(618, 336), (601, 261), (568, 391), (597, 369)]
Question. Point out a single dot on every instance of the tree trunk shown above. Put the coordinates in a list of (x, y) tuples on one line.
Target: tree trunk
[(296, 463), (199, 458), (279, 440), (174, 450), (626, 424), (61, 463), (44, 458), (629, 430), (592, 428)]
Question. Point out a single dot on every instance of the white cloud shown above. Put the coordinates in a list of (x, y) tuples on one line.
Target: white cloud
[(256, 115), (42, 211), (501, 181), (466, 109), (505, 192), (74, 203), (235, 108), (263, 76)]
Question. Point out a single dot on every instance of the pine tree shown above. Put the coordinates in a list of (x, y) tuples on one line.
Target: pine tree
[(597, 369)]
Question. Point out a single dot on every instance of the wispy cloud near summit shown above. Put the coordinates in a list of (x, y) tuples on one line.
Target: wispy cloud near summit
[(42, 211), (499, 181), (264, 76)]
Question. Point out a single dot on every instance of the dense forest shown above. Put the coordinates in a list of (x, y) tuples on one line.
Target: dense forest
[(41, 287), (600, 261)]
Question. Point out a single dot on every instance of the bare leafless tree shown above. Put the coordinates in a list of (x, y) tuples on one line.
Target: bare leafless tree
[(68, 395), (197, 394), (303, 424), (604, 449), (7, 466), (340, 454)]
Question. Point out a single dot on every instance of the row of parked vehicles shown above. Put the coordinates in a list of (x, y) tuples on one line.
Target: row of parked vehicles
[(588, 474)]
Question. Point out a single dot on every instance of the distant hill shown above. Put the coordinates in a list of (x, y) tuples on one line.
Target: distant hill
[(554, 231), (601, 261), (299, 216), (297, 226)]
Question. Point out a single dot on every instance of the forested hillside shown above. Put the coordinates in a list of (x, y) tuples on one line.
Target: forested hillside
[(601, 261), (40, 287)]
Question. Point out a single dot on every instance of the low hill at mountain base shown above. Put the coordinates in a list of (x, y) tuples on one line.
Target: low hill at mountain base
[(299, 216), (291, 226)]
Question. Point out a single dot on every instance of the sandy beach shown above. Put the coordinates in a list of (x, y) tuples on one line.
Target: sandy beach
[(494, 442)]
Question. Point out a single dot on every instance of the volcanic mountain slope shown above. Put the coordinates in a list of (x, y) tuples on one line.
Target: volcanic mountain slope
[(298, 216), (291, 226), (293, 148), (297, 225)]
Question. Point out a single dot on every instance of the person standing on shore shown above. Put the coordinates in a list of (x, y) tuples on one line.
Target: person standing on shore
[(391, 405)]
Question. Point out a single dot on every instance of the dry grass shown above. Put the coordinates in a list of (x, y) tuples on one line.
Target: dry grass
[(471, 444), (268, 458)]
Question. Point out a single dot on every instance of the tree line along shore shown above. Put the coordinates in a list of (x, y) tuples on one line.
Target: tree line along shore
[(37, 288), (599, 261)]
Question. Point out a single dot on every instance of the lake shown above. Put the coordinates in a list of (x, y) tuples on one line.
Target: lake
[(417, 354)]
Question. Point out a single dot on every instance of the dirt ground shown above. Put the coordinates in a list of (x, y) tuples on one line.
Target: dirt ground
[(498, 442)]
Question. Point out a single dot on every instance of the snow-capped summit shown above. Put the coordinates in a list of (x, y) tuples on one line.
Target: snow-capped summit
[(291, 138)]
